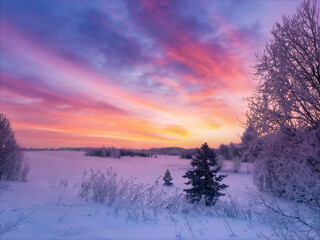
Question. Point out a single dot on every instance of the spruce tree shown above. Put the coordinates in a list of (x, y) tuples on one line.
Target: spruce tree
[(167, 179), (203, 177), (12, 165)]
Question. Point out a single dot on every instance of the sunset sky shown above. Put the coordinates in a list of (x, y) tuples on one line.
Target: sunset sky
[(134, 73)]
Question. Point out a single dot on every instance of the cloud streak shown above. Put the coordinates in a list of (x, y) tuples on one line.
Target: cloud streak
[(128, 73)]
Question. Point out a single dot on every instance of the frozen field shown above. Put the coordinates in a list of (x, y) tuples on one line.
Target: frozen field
[(47, 206)]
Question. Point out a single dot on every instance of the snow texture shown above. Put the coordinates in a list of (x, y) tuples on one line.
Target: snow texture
[(48, 205)]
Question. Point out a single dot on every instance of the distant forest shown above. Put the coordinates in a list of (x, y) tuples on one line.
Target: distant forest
[(229, 151)]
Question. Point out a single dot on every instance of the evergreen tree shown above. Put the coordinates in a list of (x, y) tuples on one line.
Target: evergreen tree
[(12, 166), (167, 179), (203, 179)]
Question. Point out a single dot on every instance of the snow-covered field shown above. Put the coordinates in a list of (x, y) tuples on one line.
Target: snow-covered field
[(47, 206)]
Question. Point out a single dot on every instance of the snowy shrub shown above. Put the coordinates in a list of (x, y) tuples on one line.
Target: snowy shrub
[(289, 165), (231, 208), (203, 177), (12, 165), (62, 186), (137, 201)]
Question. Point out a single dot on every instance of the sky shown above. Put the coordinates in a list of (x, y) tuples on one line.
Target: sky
[(131, 73)]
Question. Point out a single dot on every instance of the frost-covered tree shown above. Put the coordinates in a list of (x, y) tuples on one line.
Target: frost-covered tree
[(12, 166), (203, 177), (283, 134), (250, 145), (288, 71), (114, 152), (234, 150), (224, 151), (167, 178)]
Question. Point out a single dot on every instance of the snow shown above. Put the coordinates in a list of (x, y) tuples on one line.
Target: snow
[(49, 208)]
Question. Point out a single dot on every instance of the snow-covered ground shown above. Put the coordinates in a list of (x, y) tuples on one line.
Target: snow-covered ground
[(47, 206)]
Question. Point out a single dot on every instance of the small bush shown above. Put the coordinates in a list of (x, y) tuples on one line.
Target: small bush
[(167, 178), (12, 165)]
